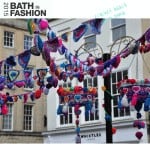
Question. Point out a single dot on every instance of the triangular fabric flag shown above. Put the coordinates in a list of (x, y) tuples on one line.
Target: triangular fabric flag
[(27, 73), (31, 26), (25, 96), (51, 47), (64, 37), (46, 54), (24, 58), (20, 97), (62, 49), (20, 83), (13, 74), (34, 51), (51, 36), (38, 42), (79, 32), (96, 25), (10, 61), (145, 37), (41, 73), (2, 79), (29, 81)]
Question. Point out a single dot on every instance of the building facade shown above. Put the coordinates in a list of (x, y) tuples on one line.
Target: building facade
[(25, 120), (146, 72), (61, 129)]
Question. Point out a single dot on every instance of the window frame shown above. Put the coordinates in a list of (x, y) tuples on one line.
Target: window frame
[(32, 74), (13, 39), (27, 41), (25, 130), (89, 34), (5, 71), (117, 94), (72, 109), (115, 27), (93, 43), (68, 117), (12, 113), (83, 121)]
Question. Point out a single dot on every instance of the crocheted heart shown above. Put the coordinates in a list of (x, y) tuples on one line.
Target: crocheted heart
[(136, 89), (13, 74)]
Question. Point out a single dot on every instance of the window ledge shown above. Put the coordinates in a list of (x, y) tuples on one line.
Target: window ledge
[(28, 89), (89, 123), (90, 35), (7, 130), (123, 119), (9, 47), (20, 133), (27, 130), (65, 126)]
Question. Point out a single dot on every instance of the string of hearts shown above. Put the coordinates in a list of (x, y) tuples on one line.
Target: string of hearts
[(5, 98)]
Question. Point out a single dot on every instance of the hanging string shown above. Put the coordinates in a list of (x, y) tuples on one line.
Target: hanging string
[(137, 67), (33, 69)]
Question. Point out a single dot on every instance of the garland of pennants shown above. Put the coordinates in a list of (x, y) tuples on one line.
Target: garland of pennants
[(94, 25), (75, 67), (24, 58)]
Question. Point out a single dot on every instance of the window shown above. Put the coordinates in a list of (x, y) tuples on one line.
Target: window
[(67, 119), (92, 42), (8, 119), (29, 78), (90, 38), (92, 82), (118, 28), (27, 42), (115, 78), (6, 69), (8, 39), (28, 116)]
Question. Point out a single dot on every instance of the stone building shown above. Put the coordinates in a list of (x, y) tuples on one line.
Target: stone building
[(146, 70), (24, 121)]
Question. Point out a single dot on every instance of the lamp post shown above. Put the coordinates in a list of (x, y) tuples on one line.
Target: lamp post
[(107, 104), (98, 52), (117, 46)]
